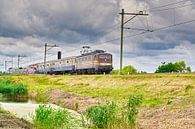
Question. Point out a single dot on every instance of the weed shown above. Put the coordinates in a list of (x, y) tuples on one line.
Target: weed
[(133, 103), (188, 88), (169, 101), (76, 106), (48, 118), (102, 116)]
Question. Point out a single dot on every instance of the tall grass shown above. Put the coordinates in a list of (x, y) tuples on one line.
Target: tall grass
[(106, 116), (102, 116), (47, 117), (8, 88), (132, 108)]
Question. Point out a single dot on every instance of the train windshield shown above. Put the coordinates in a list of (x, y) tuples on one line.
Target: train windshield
[(105, 58)]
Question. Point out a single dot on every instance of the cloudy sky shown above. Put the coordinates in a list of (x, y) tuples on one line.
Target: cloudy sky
[(25, 25)]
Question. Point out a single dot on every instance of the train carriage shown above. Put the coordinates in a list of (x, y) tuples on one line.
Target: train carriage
[(92, 62)]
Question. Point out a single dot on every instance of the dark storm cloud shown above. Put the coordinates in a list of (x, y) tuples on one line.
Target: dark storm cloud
[(61, 20)]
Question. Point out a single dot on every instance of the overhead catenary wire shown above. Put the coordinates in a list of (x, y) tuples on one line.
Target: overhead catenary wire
[(176, 7), (173, 3), (144, 32), (134, 35)]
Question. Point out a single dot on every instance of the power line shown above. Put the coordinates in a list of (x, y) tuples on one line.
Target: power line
[(161, 28), (144, 32), (168, 4), (94, 41), (105, 31), (141, 33), (176, 7)]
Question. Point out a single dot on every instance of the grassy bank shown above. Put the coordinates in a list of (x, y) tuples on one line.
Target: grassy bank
[(175, 90)]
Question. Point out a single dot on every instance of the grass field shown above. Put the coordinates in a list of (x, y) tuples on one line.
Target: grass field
[(175, 90)]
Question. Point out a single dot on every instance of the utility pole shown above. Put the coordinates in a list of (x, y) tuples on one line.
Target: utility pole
[(45, 55), (6, 62), (122, 31), (121, 51), (47, 48), (19, 56)]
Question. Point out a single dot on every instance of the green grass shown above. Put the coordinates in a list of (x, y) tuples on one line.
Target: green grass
[(102, 116), (9, 88), (157, 89), (108, 116), (47, 117)]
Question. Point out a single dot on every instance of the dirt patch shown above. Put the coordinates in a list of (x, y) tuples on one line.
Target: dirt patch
[(69, 100), (8, 121), (165, 119)]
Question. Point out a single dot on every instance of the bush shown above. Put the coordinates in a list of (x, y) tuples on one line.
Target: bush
[(102, 116), (129, 70), (48, 118)]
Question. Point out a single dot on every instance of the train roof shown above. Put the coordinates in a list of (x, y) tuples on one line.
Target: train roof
[(93, 52), (50, 61), (66, 58)]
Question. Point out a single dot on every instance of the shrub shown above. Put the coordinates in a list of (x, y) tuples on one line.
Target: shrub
[(102, 116), (129, 70), (48, 118), (126, 70)]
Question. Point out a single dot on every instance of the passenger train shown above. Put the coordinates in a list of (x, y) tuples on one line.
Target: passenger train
[(93, 62)]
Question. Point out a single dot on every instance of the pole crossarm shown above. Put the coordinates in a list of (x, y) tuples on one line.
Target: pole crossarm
[(140, 13), (51, 46), (130, 28)]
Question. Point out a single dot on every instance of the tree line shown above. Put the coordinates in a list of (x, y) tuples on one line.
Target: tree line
[(177, 67)]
